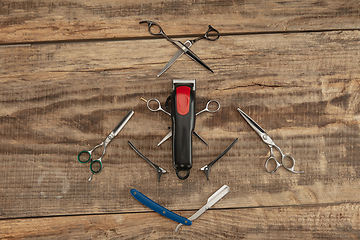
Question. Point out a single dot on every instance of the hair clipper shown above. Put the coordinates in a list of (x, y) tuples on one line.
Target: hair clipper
[(183, 124)]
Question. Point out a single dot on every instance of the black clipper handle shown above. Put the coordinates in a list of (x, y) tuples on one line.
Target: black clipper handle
[(183, 124)]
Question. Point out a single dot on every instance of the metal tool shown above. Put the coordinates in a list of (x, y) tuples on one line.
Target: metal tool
[(182, 105), (188, 44), (207, 167), (159, 108), (178, 44), (158, 208), (96, 165), (206, 109), (158, 169), (167, 136), (210, 202), (266, 139)]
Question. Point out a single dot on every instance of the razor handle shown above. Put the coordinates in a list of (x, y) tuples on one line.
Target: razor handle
[(158, 208), (183, 124)]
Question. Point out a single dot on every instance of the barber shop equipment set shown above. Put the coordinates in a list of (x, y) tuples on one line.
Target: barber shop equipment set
[(182, 102)]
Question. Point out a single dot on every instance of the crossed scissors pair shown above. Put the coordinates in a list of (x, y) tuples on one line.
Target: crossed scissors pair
[(183, 47)]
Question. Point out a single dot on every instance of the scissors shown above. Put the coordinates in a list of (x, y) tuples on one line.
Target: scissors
[(178, 44), (266, 139), (206, 109), (159, 108), (188, 44), (96, 165)]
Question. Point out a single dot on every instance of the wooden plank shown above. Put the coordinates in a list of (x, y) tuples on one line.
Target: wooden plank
[(59, 99), (305, 222), (56, 20)]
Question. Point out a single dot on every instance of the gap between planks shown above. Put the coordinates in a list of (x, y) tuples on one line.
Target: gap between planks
[(150, 37), (184, 210)]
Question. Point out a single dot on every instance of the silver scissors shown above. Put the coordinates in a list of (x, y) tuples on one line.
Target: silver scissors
[(178, 44), (96, 165), (206, 109), (266, 139), (159, 108), (188, 44)]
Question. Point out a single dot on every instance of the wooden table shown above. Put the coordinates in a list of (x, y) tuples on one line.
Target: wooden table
[(71, 70)]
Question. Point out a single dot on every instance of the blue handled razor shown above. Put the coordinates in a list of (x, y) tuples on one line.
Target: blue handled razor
[(158, 208)]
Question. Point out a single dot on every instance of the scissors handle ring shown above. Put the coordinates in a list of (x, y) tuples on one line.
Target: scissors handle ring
[(206, 35), (206, 109), (91, 166), (208, 104), (159, 108), (82, 153), (150, 25), (291, 169), (152, 109), (277, 164), (211, 29)]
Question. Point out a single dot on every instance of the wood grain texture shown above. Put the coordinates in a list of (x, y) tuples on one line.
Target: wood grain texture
[(302, 222), (60, 99), (291, 66), (58, 20)]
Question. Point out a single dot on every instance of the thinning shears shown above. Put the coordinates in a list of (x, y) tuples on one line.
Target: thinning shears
[(159, 108), (266, 139), (178, 44), (95, 164), (189, 43)]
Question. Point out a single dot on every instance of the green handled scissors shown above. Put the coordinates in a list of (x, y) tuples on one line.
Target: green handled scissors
[(96, 165), (178, 44)]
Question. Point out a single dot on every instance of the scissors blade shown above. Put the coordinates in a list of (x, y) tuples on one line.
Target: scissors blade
[(191, 54), (261, 132), (177, 55), (252, 123), (165, 138), (170, 134), (210, 202), (200, 138), (122, 123)]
